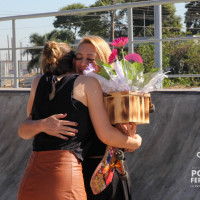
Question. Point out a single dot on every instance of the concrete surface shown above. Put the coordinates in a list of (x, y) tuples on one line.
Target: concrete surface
[(160, 170), (14, 152)]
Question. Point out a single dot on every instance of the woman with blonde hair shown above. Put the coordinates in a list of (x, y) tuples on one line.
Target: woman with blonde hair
[(91, 48), (54, 170)]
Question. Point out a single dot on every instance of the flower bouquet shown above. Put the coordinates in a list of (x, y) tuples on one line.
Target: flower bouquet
[(126, 85)]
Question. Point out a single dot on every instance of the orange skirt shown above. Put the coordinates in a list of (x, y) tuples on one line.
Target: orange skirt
[(52, 175)]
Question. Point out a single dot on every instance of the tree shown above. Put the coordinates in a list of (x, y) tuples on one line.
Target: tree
[(178, 58), (147, 51), (192, 17), (110, 23), (39, 40), (185, 58), (143, 19), (61, 36), (97, 23), (70, 22), (101, 23)]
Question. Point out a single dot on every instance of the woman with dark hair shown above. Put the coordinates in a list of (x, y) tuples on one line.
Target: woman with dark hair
[(54, 171)]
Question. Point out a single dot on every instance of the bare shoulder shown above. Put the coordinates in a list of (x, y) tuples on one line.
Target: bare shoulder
[(88, 81), (35, 82), (32, 94)]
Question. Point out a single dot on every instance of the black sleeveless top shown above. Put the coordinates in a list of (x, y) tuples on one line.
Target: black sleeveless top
[(85, 141)]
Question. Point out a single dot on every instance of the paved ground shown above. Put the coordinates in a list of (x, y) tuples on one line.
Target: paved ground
[(160, 170)]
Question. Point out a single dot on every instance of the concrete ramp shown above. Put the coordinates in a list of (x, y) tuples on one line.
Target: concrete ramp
[(160, 170), (14, 152)]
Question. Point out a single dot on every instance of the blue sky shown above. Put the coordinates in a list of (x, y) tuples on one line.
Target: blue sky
[(43, 25)]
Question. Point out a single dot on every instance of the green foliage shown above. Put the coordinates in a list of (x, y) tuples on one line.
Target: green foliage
[(181, 82), (148, 55), (99, 23), (61, 36), (178, 58), (192, 17), (170, 22), (39, 40), (172, 25), (185, 58), (36, 40), (95, 24), (70, 22)]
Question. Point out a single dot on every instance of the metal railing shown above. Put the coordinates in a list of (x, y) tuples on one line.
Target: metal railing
[(157, 27)]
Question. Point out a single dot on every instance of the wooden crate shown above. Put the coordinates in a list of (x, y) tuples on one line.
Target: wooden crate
[(127, 106)]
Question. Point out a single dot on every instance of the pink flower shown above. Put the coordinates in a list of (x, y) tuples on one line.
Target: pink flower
[(120, 42), (134, 57), (113, 56)]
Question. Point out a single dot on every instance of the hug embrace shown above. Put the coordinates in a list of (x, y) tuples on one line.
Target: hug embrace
[(70, 127)]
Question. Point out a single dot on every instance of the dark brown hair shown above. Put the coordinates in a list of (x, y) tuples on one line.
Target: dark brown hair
[(57, 58)]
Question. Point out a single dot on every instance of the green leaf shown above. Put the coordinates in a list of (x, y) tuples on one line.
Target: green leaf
[(106, 69), (99, 63), (133, 70), (154, 69), (104, 73)]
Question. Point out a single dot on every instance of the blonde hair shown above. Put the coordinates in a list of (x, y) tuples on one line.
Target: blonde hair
[(101, 46), (57, 58)]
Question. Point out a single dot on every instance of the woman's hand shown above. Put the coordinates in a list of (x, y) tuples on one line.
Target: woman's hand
[(127, 128), (130, 129), (139, 142), (54, 126)]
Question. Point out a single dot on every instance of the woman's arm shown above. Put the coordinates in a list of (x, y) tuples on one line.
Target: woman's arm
[(52, 125), (104, 130)]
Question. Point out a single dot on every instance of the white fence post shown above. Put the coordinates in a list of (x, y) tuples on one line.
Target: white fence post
[(130, 30), (14, 55), (158, 35)]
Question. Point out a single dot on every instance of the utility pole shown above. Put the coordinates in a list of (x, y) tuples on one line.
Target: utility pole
[(144, 25), (112, 28), (27, 55), (20, 51), (8, 48)]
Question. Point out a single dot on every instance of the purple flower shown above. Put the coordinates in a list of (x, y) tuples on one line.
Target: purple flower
[(113, 56), (134, 57), (120, 42), (90, 67)]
